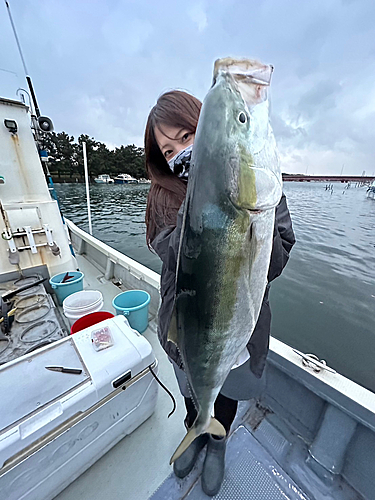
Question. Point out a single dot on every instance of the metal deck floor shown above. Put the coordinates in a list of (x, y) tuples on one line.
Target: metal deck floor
[(135, 466), (250, 474)]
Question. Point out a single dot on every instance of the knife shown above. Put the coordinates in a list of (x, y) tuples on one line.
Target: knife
[(61, 369)]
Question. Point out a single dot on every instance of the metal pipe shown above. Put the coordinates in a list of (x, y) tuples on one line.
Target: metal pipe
[(5, 218), (33, 96), (87, 185), (16, 37)]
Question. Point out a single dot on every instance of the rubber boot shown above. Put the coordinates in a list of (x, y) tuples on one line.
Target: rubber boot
[(214, 464), (184, 464)]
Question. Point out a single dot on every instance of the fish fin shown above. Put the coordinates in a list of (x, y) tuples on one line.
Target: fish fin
[(185, 443), (214, 427), (172, 332)]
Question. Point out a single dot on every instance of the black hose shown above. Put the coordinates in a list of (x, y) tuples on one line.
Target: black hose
[(166, 390), (38, 346)]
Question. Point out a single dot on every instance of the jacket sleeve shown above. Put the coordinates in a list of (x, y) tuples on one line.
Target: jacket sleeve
[(283, 240), (167, 242)]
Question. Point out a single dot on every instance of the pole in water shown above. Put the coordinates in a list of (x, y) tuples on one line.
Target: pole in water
[(87, 185)]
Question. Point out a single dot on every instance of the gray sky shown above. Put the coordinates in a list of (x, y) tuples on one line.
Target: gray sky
[(99, 66)]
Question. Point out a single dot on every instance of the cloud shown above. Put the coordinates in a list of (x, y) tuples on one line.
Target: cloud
[(322, 95), (198, 15), (132, 34), (98, 67)]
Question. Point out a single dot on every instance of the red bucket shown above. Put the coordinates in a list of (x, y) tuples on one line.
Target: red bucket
[(90, 320)]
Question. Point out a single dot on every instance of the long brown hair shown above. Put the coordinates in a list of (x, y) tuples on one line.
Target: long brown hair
[(167, 191)]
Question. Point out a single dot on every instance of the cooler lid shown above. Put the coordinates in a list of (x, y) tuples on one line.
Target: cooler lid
[(27, 386)]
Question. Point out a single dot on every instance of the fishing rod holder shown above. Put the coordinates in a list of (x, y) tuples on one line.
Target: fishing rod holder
[(27, 233)]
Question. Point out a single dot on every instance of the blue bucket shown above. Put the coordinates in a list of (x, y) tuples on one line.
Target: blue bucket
[(134, 305), (62, 290)]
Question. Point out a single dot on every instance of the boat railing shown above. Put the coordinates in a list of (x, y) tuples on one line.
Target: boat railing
[(337, 390), (116, 267)]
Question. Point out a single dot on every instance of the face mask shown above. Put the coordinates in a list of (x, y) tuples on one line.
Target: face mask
[(180, 163)]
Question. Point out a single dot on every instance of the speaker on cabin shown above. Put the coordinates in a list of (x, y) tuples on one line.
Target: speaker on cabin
[(45, 124)]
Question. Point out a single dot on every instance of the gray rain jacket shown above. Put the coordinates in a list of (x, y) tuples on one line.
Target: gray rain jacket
[(166, 246)]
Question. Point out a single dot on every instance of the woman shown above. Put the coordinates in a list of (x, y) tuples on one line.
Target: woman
[(169, 138)]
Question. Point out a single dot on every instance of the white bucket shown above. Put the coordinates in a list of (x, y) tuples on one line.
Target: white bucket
[(81, 303)]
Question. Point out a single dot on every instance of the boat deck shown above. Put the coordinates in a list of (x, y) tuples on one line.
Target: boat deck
[(251, 474), (264, 457), (135, 467)]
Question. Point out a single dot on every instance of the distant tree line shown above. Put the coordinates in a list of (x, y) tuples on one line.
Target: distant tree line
[(66, 158)]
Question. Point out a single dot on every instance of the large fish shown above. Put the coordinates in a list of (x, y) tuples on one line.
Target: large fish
[(227, 233)]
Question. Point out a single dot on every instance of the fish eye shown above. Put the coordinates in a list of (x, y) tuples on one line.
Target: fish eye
[(242, 117)]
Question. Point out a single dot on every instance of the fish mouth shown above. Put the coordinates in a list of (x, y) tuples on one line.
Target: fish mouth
[(245, 69), (249, 78)]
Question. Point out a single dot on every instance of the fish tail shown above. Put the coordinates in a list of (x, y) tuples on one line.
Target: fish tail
[(214, 427)]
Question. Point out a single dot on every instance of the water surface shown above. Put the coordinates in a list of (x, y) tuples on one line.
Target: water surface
[(323, 303)]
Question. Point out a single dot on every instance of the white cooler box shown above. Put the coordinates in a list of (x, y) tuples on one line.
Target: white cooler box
[(54, 425)]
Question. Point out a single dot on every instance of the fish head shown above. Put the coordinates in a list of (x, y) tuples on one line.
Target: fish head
[(235, 124)]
